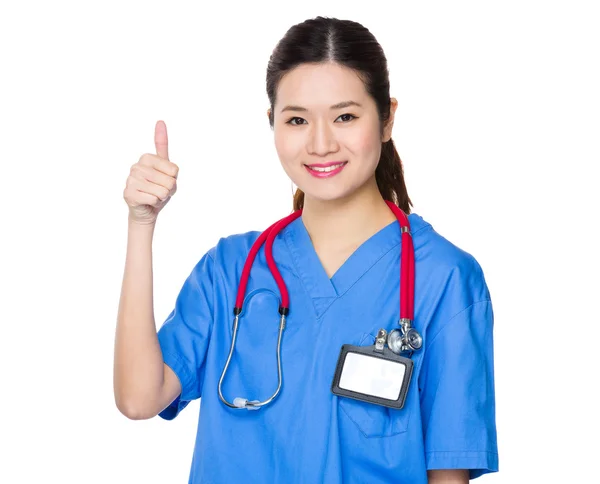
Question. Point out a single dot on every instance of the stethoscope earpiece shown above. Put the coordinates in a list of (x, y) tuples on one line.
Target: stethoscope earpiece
[(240, 402)]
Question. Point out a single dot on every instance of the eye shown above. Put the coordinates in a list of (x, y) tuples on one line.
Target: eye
[(347, 114), (296, 117), (290, 121)]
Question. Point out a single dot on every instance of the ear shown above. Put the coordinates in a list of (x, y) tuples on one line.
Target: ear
[(269, 113), (387, 130)]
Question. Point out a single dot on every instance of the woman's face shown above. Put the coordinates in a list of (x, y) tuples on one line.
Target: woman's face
[(309, 129)]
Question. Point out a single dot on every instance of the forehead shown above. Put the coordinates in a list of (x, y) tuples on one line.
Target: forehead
[(320, 85)]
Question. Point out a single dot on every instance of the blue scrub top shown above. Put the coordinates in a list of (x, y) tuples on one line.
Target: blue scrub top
[(307, 434)]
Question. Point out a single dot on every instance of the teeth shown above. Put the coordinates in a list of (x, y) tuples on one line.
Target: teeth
[(325, 170)]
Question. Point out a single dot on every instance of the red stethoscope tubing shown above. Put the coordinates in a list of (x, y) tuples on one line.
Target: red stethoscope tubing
[(407, 264)]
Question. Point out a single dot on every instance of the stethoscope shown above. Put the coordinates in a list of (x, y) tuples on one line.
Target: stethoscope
[(402, 340)]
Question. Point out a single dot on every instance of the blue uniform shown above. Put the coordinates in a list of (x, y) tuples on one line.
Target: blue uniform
[(307, 434)]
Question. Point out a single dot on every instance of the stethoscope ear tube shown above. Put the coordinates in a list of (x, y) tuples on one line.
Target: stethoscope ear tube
[(241, 402), (268, 235)]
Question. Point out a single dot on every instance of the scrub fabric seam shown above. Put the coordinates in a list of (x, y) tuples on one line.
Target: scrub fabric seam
[(475, 466), (182, 366), (367, 436), (287, 234), (461, 452), (428, 348), (182, 362), (357, 280), (438, 386), (214, 292), (395, 246), (219, 274), (457, 314)]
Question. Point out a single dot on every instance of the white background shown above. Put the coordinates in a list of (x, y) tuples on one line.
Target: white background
[(498, 128)]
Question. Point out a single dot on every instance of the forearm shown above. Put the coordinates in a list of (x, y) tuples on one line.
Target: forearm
[(450, 476), (138, 362)]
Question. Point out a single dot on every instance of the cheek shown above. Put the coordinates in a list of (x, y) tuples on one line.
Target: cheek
[(366, 145), (285, 147)]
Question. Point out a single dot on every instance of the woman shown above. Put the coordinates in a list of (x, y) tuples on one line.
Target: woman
[(332, 116)]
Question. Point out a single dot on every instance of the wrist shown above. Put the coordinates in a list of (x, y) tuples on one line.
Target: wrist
[(141, 226)]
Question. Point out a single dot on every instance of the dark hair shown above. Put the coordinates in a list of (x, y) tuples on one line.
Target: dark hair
[(349, 44)]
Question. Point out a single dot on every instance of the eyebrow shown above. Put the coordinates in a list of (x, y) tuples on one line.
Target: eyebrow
[(343, 104)]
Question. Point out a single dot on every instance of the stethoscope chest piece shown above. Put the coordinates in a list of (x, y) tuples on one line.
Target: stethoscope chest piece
[(406, 339)]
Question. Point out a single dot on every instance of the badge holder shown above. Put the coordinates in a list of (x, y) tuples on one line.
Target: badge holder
[(373, 374)]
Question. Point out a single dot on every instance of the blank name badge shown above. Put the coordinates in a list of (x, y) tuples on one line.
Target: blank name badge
[(376, 376)]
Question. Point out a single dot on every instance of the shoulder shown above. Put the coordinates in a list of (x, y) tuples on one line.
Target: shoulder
[(233, 246), (448, 267), (228, 255), (450, 283)]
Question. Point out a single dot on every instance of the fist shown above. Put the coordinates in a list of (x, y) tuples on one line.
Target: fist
[(152, 181)]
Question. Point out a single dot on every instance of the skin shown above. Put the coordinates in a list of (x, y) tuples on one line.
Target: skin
[(342, 212), (318, 135)]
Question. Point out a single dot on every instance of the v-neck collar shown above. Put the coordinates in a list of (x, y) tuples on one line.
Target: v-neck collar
[(323, 290)]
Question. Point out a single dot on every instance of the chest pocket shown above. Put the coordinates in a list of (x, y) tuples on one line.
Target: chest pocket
[(374, 420)]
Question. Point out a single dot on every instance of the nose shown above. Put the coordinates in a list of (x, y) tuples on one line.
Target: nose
[(321, 139)]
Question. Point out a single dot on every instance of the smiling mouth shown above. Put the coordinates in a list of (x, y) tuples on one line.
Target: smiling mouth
[(326, 169)]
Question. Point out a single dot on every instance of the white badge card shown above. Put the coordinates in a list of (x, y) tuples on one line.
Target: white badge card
[(376, 376)]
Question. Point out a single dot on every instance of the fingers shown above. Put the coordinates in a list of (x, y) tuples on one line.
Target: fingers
[(161, 140), (164, 166), (145, 198), (150, 180), (146, 193)]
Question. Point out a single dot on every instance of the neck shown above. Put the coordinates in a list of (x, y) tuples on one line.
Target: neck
[(349, 221)]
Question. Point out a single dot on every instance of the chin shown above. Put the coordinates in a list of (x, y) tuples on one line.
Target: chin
[(332, 190), (327, 196)]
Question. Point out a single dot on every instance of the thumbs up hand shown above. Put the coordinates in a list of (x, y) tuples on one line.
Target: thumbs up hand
[(152, 181)]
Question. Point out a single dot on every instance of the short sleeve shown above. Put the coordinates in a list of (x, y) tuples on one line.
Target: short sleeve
[(184, 335), (458, 397)]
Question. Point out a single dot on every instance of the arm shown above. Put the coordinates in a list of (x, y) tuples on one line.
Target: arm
[(448, 477), (143, 384), (457, 398)]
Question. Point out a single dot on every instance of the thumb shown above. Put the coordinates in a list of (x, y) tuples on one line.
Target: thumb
[(160, 140)]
